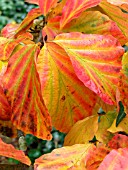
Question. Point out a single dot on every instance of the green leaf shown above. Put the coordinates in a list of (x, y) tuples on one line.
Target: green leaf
[(121, 114)]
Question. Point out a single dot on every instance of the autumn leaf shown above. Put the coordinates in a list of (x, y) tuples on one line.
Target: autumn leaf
[(5, 109), (64, 158), (118, 141), (95, 156), (118, 2), (23, 91), (83, 131), (33, 1), (105, 122), (28, 21), (95, 61), (73, 9), (62, 91), (9, 30), (122, 127), (9, 151), (92, 22), (116, 159), (119, 17)]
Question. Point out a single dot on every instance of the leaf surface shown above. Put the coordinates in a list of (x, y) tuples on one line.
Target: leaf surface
[(119, 17), (122, 127), (95, 157), (28, 21), (33, 1), (5, 109), (73, 9), (118, 141), (93, 22), (64, 158), (118, 2), (116, 159), (9, 151), (23, 90), (95, 61), (65, 96), (47, 5), (105, 122), (121, 114), (83, 131)]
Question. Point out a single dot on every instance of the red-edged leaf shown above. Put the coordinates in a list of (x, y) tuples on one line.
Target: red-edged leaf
[(49, 32), (118, 141), (7, 129), (92, 22), (73, 9), (72, 157), (5, 109), (9, 30), (118, 2), (119, 17), (95, 157), (47, 5), (9, 151), (115, 160), (28, 21), (95, 61), (82, 132), (33, 1), (23, 90), (65, 96)]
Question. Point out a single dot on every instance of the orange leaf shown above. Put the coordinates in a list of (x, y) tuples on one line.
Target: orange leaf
[(47, 5), (119, 17), (28, 21), (95, 157), (82, 132), (65, 96), (9, 30), (5, 109), (9, 151), (115, 160), (92, 22), (23, 91), (95, 61), (73, 9), (64, 158), (33, 1), (118, 141)]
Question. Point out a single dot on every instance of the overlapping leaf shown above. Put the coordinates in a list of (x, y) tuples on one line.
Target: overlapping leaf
[(119, 16), (122, 127), (118, 141), (73, 9), (23, 91), (82, 132), (95, 157), (105, 121), (72, 157), (65, 96), (118, 2), (28, 21), (116, 159), (93, 22), (95, 61), (33, 1), (9, 151)]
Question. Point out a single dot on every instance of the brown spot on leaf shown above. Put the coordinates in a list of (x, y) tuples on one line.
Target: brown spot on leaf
[(5, 91), (63, 98), (23, 124), (29, 93)]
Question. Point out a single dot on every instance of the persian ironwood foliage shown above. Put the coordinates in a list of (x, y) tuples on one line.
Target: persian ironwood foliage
[(65, 66)]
